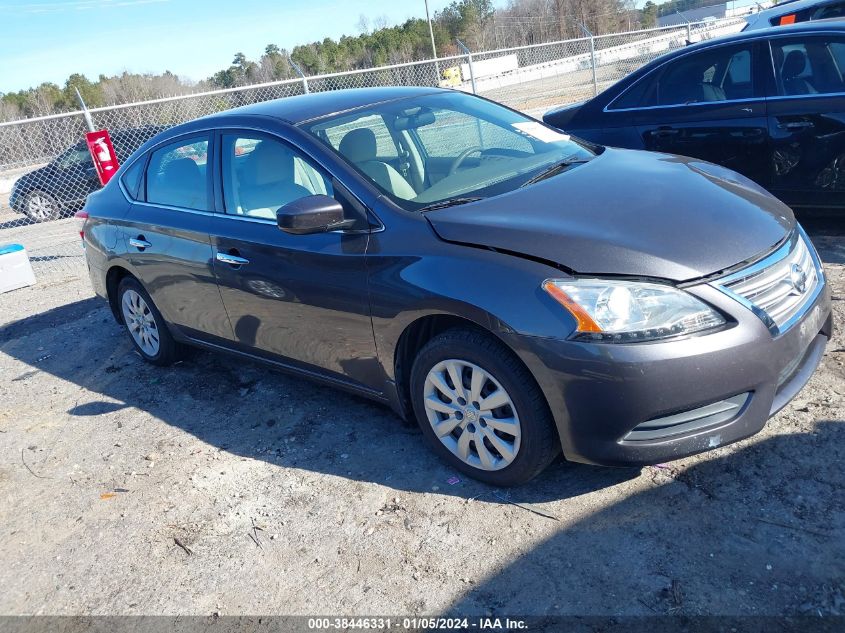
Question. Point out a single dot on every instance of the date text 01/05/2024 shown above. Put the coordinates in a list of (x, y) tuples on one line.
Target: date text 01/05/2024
[(416, 623)]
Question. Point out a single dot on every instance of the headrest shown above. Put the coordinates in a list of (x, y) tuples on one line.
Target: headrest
[(794, 65), (181, 169), (359, 146), (270, 162)]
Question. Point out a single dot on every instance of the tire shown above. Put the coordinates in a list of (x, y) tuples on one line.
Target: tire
[(41, 207), (519, 451), (146, 327)]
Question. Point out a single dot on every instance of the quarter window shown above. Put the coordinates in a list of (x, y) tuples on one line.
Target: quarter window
[(177, 175), (132, 178), (261, 175)]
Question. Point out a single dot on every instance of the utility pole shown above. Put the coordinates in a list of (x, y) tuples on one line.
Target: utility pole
[(88, 121), (431, 33)]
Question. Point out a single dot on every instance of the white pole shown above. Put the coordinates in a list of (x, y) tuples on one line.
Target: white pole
[(88, 121), (469, 60), (433, 47)]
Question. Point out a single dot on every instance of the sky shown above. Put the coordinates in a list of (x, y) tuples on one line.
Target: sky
[(47, 40)]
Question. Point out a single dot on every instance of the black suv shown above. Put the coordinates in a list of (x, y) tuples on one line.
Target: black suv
[(769, 104), (60, 187)]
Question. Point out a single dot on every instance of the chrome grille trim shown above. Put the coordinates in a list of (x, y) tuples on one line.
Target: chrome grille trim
[(771, 287)]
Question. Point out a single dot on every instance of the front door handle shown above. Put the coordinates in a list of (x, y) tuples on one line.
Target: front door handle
[(796, 125), (139, 242), (232, 260)]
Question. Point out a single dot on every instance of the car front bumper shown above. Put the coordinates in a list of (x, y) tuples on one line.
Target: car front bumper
[(644, 403), (16, 200)]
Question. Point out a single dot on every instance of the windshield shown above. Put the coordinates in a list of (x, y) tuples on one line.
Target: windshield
[(427, 152)]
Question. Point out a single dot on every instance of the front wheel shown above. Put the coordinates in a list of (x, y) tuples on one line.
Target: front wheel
[(481, 410), (145, 324)]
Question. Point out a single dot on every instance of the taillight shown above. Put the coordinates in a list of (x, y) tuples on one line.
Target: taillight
[(82, 216)]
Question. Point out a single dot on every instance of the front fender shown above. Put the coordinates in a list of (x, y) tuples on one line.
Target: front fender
[(498, 292)]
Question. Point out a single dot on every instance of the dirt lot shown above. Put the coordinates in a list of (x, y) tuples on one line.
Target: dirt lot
[(222, 487)]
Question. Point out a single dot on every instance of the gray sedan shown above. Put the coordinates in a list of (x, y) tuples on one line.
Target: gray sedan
[(512, 289)]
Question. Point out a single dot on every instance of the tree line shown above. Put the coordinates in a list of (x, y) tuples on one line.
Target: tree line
[(474, 22)]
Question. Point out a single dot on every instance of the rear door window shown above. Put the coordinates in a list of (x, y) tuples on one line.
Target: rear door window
[(177, 175), (809, 65), (711, 76)]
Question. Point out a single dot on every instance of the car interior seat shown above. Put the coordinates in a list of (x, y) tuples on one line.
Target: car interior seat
[(710, 92), (268, 181), (181, 184), (359, 147), (793, 67)]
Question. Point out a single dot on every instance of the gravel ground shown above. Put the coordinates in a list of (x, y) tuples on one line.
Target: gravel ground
[(219, 487)]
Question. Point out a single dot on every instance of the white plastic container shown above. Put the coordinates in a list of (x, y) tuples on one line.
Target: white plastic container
[(15, 270)]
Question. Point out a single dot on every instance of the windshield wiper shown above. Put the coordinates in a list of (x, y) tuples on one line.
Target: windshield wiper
[(554, 170), (450, 202)]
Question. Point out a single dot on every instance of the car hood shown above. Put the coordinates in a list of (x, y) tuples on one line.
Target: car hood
[(628, 213)]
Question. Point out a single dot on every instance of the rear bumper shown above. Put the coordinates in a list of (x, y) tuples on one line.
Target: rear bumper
[(636, 404), (97, 276)]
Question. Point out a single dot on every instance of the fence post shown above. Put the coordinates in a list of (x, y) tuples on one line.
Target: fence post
[(689, 27), (469, 61), (592, 57), (299, 72), (88, 121)]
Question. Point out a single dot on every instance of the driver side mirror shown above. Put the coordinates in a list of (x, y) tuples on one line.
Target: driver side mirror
[(312, 214)]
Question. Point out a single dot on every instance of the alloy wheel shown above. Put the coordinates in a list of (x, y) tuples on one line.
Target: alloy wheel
[(472, 414), (40, 207), (141, 323)]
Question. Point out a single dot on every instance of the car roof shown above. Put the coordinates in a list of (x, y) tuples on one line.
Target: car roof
[(301, 108), (791, 6)]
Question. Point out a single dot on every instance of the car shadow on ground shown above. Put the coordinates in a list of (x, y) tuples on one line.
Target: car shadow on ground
[(757, 531), (251, 410)]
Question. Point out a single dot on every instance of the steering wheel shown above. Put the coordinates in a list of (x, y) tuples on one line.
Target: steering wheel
[(463, 156)]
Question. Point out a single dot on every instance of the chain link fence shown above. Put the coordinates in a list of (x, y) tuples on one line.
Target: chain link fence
[(46, 171)]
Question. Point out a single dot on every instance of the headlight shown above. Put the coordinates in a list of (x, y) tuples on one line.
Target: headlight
[(629, 311)]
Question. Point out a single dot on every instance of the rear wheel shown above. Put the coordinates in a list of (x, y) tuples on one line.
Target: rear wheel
[(145, 324), (41, 207), (481, 409)]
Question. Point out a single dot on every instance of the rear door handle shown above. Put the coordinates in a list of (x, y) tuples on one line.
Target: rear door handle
[(139, 242), (665, 131), (232, 260), (796, 125)]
